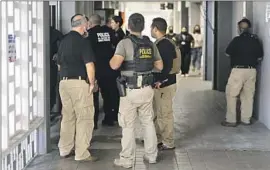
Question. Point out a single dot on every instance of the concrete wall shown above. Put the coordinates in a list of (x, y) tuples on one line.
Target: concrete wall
[(261, 27), (67, 11)]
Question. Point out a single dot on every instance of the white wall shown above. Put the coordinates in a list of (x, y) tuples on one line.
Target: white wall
[(261, 27), (149, 10)]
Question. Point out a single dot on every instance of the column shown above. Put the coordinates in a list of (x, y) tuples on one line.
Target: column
[(223, 35), (176, 17), (184, 15), (208, 13), (194, 15)]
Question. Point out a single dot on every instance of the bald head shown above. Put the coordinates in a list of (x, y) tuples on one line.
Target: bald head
[(95, 19)]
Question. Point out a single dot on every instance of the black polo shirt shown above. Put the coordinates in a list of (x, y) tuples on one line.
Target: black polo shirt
[(245, 50), (73, 53), (102, 39), (167, 52)]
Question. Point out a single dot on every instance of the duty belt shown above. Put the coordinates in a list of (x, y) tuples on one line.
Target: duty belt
[(244, 66), (134, 82)]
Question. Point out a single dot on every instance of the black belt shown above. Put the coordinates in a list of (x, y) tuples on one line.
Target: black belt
[(240, 66), (73, 78)]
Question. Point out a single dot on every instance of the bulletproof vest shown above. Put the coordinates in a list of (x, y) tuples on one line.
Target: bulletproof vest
[(143, 59), (177, 59)]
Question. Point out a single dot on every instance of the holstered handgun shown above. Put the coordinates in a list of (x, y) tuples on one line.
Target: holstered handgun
[(121, 86)]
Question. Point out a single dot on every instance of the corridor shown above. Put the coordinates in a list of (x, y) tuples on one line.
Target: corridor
[(202, 144)]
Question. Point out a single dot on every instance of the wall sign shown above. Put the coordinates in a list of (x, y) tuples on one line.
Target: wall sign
[(11, 48)]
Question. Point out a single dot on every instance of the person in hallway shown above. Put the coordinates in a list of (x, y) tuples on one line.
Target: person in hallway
[(165, 86), (136, 91), (185, 42), (55, 38), (102, 40), (116, 24), (197, 49), (171, 35), (245, 52), (77, 71)]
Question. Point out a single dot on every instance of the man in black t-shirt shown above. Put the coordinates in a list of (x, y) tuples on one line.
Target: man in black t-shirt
[(77, 78), (165, 87), (102, 40)]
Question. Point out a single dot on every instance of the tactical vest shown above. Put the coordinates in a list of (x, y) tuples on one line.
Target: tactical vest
[(143, 59), (177, 59)]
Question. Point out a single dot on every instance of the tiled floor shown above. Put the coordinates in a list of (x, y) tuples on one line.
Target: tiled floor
[(202, 144)]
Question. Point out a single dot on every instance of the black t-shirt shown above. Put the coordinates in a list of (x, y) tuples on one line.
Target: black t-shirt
[(73, 53), (167, 52), (184, 41), (102, 39), (119, 34), (245, 50)]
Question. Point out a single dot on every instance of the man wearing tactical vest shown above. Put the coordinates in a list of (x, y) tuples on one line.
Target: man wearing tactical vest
[(165, 86), (137, 56)]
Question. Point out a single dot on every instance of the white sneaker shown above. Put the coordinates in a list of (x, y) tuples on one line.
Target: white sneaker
[(182, 75), (122, 163), (187, 75), (151, 161)]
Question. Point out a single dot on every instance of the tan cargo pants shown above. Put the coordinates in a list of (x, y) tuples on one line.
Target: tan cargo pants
[(138, 102), (77, 118), (164, 121), (241, 82)]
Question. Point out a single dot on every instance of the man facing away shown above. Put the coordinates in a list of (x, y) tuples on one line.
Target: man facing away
[(165, 86), (75, 61), (245, 52), (137, 56), (102, 40)]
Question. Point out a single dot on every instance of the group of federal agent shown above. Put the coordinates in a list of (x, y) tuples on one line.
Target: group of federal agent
[(136, 77), (128, 69)]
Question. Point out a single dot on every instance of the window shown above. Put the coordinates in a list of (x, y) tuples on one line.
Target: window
[(22, 97)]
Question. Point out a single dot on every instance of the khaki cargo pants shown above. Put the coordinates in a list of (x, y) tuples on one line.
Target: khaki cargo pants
[(138, 102), (77, 118), (164, 121), (241, 82)]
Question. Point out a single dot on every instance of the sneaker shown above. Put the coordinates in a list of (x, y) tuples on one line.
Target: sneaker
[(151, 161), (89, 159), (121, 163), (182, 75), (187, 75)]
